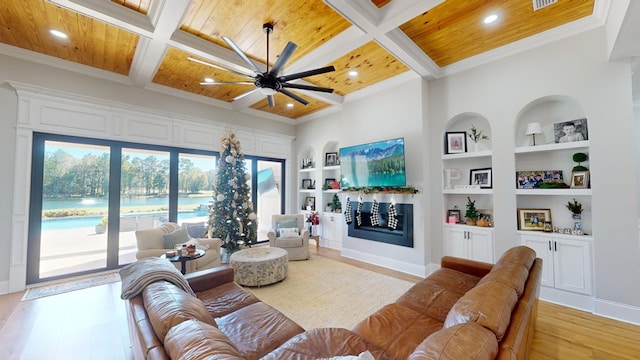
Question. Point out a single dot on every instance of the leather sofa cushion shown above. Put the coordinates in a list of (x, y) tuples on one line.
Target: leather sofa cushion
[(435, 295), (167, 306), (522, 255), (397, 329), (489, 304), (288, 242), (225, 299), (257, 329), (195, 340), (513, 275), (325, 343), (462, 341)]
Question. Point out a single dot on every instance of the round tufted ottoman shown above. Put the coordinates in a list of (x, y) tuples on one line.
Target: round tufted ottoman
[(259, 266)]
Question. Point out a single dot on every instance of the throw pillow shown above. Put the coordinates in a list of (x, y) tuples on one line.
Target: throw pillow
[(287, 223), (177, 236), (288, 232)]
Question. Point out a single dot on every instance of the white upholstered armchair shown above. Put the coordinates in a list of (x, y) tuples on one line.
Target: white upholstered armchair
[(155, 242), (290, 233)]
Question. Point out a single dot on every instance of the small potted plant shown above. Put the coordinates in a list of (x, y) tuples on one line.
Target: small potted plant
[(471, 214), (101, 227), (576, 213), (476, 135), (336, 205)]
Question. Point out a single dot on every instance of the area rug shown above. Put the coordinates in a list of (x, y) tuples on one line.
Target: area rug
[(325, 293), (63, 287)]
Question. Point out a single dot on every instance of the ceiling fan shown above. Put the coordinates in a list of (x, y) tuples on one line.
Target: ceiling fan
[(269, 82)]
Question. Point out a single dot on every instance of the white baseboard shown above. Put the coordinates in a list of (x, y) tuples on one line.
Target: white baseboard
[(617, 311), (393, 264), (4, 287)]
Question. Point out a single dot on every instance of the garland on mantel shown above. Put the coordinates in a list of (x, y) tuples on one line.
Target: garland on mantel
[(382, 189)]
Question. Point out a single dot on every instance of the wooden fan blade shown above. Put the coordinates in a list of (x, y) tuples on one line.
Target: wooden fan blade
[(284, 57), (244, 57), (294, 96), (307, 87), (271, 101), (219, 67), (303, 74)]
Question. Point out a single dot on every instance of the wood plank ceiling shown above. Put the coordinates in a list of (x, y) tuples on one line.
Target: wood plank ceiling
[(149, 41)]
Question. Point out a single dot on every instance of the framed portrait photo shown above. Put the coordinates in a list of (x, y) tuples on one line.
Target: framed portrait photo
[(480, 177), (533, 219), (310, 203), (331, 159), (306, 184), (454, 214), (580, 180), (329, 182), (570, 131), (455, 142)]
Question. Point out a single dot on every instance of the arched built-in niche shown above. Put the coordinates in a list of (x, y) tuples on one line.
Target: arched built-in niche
[(547, 111), (465, 122)]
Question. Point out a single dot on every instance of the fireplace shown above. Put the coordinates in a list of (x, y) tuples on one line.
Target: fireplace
[(402, 235)]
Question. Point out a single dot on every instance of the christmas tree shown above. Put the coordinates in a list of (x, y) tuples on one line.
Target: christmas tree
[(231, 217)]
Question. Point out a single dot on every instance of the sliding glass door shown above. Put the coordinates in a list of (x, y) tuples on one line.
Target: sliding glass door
[(89, 196)]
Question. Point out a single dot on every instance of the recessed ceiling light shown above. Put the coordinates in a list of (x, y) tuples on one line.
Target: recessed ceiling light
[(208, 80), (290, 105), (491, 18), (353, 73), (59, 34)]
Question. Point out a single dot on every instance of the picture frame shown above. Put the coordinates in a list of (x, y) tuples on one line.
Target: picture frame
[(329, 182), (455, 213), (570, 131), (310, 201), (486, 214), (455, 142), (481, 177), (580, 179), (533, 219), (306, 184), (331, 159), (534, 179)]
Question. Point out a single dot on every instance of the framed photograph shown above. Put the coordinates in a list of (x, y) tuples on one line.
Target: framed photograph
[(310, 203), (306, 184), (580, 180), (456, 214), (331, 159), (480, 177), (570, 131), (533, 219), (329, 182), (455, 142), (536, 178)]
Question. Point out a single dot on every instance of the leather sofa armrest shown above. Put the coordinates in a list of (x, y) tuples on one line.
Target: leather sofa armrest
[(466, 266), (207, 279)]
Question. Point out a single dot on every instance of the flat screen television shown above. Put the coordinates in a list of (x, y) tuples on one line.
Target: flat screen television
[(375, 164)]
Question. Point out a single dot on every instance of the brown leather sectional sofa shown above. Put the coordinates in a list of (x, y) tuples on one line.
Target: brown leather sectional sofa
[(464, 310)]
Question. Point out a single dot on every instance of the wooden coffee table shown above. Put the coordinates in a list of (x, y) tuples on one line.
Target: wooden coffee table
[(183, 259)]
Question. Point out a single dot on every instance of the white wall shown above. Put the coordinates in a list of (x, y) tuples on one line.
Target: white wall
[(394, 113)]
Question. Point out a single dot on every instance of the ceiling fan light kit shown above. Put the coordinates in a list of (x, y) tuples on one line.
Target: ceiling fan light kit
[(268, 82)]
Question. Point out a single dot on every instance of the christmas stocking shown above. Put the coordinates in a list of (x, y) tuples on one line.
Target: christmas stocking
[(392, 222), (374, 213), (359, 213), (347, 212)]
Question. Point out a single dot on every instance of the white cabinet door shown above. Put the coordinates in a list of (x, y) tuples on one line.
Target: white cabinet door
[(455, 241), (480, 242), (332, 230), (566, 263), (543, 247), (468, 242), (572, 265)]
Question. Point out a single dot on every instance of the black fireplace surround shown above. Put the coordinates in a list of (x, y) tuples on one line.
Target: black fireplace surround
[(402, 235)]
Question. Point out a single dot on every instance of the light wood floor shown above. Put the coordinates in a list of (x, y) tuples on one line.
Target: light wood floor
[(91, 324)]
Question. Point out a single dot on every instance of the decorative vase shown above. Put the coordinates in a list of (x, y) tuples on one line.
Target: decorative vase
[(314, 230), (577, 222), (471, 222)]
